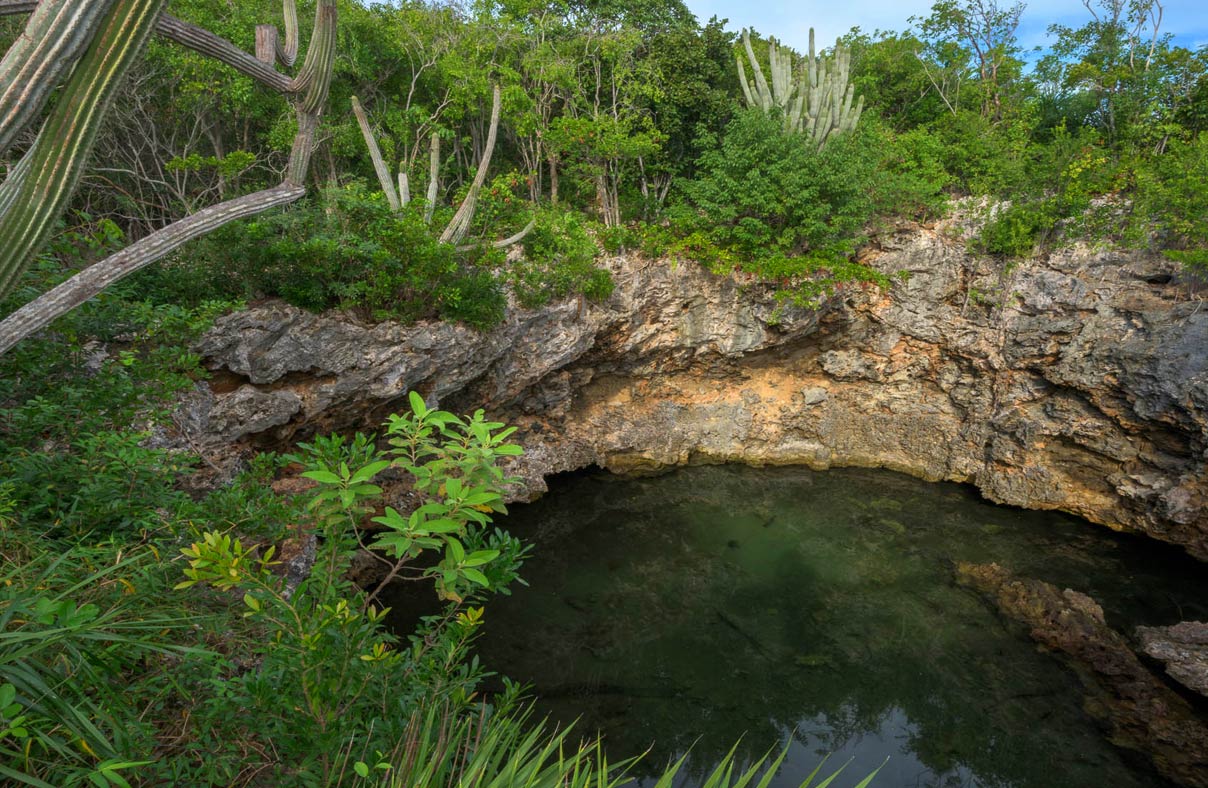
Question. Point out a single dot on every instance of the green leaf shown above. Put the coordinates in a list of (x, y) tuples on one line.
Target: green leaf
[(865, 782), (394, 543), (456, 552), (21, 778), (417, 404), (325, 477), (369, 471), (480, 557), (478, 499), (441, 526), (392, 519), (834, 776), (476, 576), (361, 768)]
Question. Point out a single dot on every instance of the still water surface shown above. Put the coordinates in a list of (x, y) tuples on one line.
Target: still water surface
[(818, 609)]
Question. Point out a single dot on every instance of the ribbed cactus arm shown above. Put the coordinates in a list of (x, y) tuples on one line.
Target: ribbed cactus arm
[(38, 187), (742, 80), (815, 96), (37, 195), (313, 84), (55, 36), (762, 92)]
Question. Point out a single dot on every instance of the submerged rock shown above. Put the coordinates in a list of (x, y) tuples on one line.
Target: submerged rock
[(1081, 386), (1143, 713), (1184, 650)]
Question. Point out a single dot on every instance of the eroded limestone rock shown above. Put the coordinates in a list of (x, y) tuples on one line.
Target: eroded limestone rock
[(1184, 650), (1076, 382)]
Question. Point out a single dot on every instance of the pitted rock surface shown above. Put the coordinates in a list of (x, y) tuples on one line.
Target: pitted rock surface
[(1073, 382), (1184, 650)]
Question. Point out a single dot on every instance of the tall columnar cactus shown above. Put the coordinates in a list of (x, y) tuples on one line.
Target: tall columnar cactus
[(459, 225), (102, 38), (39, 192), (814, 95), (55, 37)]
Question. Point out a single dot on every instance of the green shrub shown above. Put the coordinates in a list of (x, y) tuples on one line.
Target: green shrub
[(762, 190), (346, 249), (559, 260), (983, 157), (770, 204), (1015, 231), (615, 240), (1170, 208), (913, 178), (1067, 176)]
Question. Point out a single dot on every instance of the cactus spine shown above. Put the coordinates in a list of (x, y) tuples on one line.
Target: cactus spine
[(814, 96)]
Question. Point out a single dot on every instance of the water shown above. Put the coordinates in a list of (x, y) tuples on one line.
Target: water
[(818, 609)]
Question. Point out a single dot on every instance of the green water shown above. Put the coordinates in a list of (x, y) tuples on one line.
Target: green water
[(786, 605)]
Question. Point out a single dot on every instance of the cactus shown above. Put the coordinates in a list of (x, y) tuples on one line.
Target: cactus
[(459, 225), (40, 191), (375, 155), (433, 177), (39, 186), (56, 35), (814, 96)]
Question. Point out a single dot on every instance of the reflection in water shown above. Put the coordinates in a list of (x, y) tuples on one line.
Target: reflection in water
[(714, 603)]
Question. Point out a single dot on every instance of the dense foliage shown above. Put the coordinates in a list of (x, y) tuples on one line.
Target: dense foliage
[(628, 120)]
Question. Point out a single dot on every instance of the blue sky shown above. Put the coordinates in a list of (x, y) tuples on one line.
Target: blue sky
[(790, 20)]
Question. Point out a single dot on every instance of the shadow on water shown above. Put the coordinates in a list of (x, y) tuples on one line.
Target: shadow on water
[(687, 610)]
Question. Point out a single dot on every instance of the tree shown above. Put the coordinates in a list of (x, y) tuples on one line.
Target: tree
[(694, 68), (1111, 60), (894, 81), (987, 30), (102, 40)]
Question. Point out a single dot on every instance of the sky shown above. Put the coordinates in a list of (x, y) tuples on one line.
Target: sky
[(790, 20)]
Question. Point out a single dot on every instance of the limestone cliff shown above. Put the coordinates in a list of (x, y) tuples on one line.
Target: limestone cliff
[(1072, 382)]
